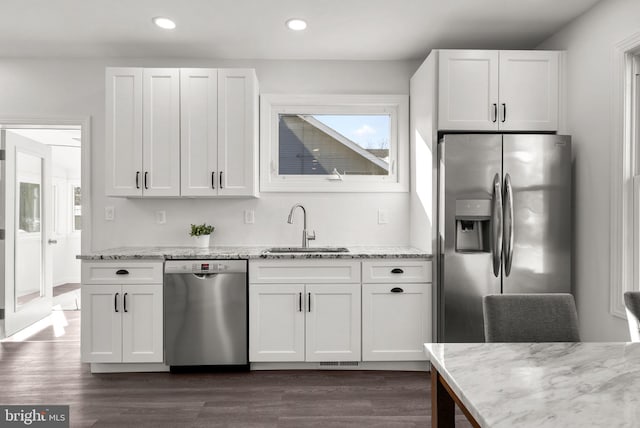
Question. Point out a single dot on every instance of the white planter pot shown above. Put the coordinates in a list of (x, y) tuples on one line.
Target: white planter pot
[(202, 241)]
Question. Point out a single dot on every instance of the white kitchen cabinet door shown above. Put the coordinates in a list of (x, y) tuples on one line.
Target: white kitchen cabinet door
[(142, 324), (199, 132), (276, 322), (468, 90), (161, 132), (529, 93), (123, 122), (333, 322), (396, 321), (237, 132), (101, 324)]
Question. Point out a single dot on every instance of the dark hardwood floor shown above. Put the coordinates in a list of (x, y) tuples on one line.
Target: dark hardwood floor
[(47, 370)]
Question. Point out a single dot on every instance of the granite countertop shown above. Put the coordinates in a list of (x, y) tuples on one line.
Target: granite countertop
[(539, 385), (181, 253)]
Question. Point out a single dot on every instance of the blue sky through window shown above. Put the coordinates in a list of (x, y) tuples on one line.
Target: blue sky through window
[(368, 131)]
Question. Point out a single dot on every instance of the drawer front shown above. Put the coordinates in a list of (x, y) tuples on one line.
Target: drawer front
[(122, 272), (396, 270), (304, 271)]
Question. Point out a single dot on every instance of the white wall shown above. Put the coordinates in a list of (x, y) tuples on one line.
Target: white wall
[(589, 42), (49, 88)]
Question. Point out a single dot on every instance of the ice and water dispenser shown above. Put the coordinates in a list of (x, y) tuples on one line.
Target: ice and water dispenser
[(473, 225)]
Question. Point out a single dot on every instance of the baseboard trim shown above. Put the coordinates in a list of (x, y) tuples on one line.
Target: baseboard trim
[(414, 366), (128, 367)]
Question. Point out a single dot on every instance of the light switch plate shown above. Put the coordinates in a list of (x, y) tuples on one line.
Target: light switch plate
[(383, 216), (249, 216), (109, 213), (161, 217)]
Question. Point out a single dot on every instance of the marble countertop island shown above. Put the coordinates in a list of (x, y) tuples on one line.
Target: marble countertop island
[(229, 253), (559, 385)]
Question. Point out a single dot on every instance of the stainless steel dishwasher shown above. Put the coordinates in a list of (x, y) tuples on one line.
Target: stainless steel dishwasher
[(205, 313)]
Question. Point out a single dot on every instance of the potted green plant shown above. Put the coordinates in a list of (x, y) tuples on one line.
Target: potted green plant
[(201, 234)]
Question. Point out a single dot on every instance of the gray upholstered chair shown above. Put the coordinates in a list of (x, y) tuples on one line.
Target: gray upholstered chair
[(632, 305), (530, 318)]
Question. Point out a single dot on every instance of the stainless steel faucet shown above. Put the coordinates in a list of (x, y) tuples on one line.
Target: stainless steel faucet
[(306, 237)]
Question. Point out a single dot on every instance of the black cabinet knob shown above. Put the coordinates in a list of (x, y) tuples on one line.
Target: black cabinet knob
[(397, 270), (122, 272), (397, 290)]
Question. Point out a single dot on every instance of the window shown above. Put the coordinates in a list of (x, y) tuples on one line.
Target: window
[(29, 207), (332, 143), (76, 208)]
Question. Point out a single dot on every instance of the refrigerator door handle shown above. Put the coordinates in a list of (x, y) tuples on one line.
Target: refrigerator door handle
[(508, 224), (496, 226)]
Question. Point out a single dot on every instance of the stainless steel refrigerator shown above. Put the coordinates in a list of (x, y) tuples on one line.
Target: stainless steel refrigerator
[(503, 223)]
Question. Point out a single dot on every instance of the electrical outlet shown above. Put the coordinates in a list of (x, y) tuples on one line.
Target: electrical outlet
[(109, 213), (249, 216), (383, 216), (161, 217)]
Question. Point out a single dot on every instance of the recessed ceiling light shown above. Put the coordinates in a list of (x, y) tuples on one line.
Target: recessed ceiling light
[(296, 24), (164, 23)]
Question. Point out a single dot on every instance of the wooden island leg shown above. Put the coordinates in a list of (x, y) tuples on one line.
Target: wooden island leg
[(442, 404)]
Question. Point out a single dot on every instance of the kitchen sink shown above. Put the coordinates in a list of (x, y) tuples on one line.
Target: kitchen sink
[(276, 250)]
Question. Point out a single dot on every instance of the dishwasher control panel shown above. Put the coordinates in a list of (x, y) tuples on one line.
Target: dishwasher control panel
[(205, 266)]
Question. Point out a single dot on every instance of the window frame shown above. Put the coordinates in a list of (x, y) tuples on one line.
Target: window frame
[(73, 187), (625, 167), (272, 105)]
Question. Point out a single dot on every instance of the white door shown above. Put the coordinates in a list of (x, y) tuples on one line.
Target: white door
[(199, 132), (333, 322), (468, 90), (237, 132), (529, 90), (26, 213), (123, 122), (101, 323), (161, 132), (142, 332), (276, 322), (396, 321)]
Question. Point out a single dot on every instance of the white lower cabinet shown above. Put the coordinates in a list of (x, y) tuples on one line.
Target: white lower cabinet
[(122, 323), (297, 322), (396, 321)]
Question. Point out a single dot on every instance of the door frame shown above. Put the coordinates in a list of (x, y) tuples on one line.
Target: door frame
[(53, 122)]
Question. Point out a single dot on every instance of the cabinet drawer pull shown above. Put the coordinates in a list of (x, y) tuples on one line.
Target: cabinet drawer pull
[(504, 112), (397, 270), (393, 290), (309, 302), (146, 173), (495, 113), (137, 179), (221, 180), (213, 179), (299, 302), (115, 302), (124, 302), (122, 272)]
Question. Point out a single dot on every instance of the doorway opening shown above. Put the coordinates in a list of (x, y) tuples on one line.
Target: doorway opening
[(42, 217)]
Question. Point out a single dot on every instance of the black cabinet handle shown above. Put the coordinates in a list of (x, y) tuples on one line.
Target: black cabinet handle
[(299, 302), (504, 112), (124, 300), (122, 272), (495, 112), (137, 179), (146, 173), (393, 290), (397, 270), (309, 302), (213, 179), (115, 302), (221, 180)]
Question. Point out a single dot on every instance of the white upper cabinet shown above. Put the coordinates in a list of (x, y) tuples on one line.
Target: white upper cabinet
[(468, 88), (123, 121), (161, 132), (189, 132), (199, 132), (529, 90), (498, 90), (237, 132)]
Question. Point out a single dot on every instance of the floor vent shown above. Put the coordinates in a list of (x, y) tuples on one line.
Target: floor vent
[(349, 363), (329, 363), (339, 364)]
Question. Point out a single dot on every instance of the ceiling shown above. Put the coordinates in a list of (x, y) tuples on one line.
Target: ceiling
[(233, 29)]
